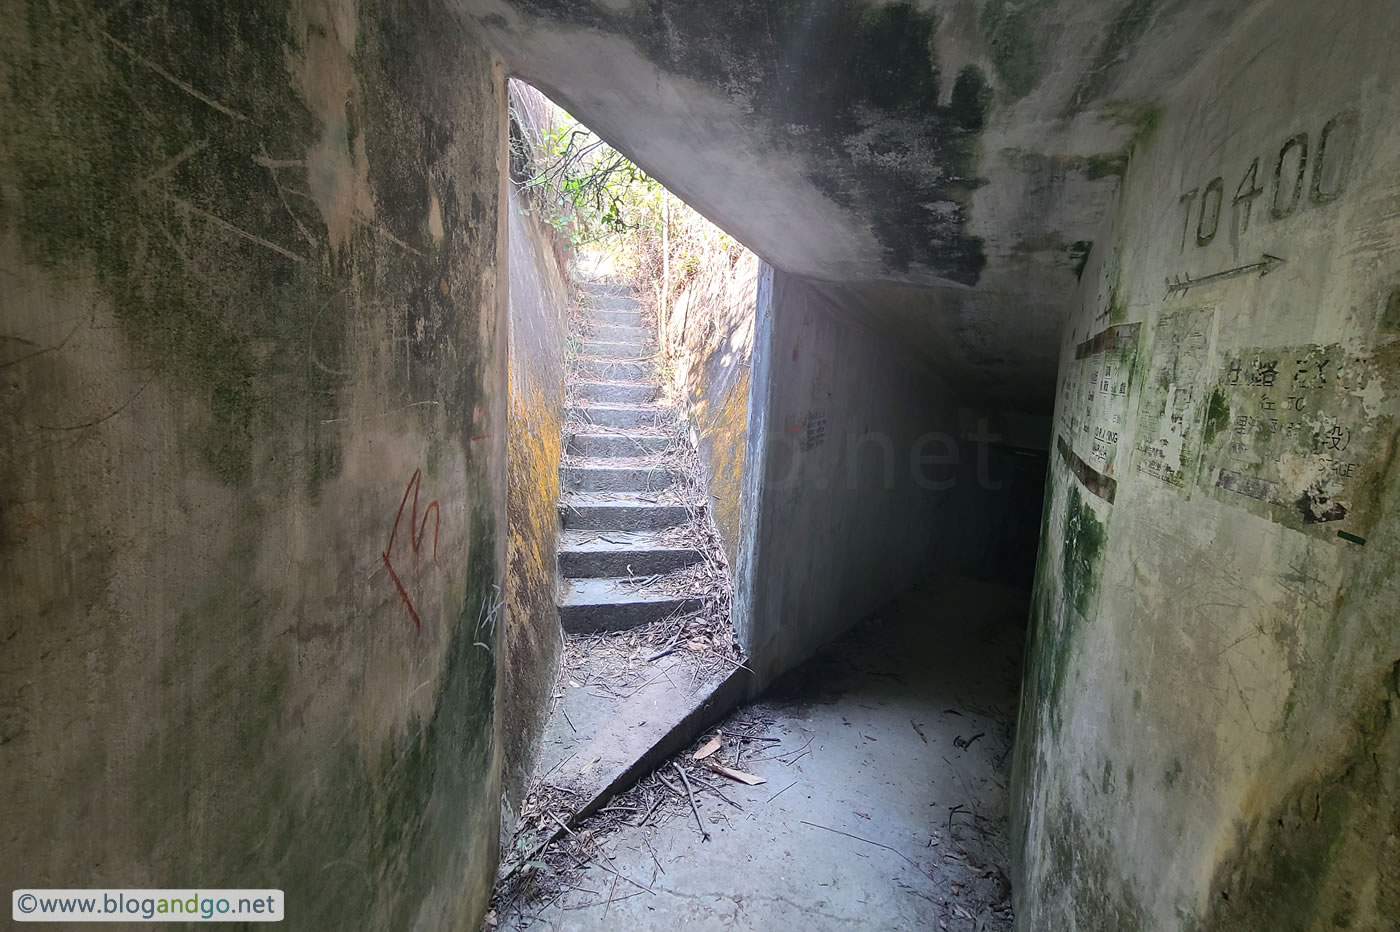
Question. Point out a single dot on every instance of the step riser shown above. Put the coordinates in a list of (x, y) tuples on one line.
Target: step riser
[(608, 333), (604, 445), (595, 564), (614, 394), (625, 351), (618, 318), (621, 418), (611, 302), (622, 517), (588, 619), (612, 369), (621, 479)]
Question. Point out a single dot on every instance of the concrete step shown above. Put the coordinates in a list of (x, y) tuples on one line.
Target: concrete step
[(621, 370), (630, 393), (598, 744), (603, 478), (623, 417), (612, 333), (611, 302), (618, 511), (625, 351), (605, 445), (584, 554), (612, 604), (596, 287), (617, 318)]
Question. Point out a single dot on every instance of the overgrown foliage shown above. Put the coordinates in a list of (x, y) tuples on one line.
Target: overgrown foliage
[(597, 198)]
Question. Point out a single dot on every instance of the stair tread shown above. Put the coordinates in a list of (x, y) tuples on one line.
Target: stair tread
[(623, 405), (616, 590), (615, 541), (603, 464), (659, 499)]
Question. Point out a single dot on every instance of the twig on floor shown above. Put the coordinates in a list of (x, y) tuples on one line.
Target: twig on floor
[(652, 851), (611, 891), (877, 844), (704, 785), (952, 812), (784, 753), (705, 835), (607, 858), (781, 792)]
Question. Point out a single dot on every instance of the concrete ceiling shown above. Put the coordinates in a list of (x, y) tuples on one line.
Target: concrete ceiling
[(947, 162)]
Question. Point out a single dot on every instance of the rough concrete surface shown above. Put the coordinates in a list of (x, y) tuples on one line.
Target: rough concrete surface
[(1210, 729), (600, 725), (252, 453), (871, 745), (938, 143)]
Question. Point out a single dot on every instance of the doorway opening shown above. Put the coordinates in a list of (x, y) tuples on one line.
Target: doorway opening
[(789, 571)]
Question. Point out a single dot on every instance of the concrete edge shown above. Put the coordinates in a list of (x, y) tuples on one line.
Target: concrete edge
[(723, 699)]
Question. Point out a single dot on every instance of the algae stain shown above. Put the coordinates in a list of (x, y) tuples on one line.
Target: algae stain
[(1011, 29), (1085, 537), (162, 194), (1217, 416)]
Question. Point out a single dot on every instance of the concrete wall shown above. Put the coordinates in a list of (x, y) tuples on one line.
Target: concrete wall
[(837, 522), (864, 474), (532, 636), (1210, 724), (709, 337), (251, 453)]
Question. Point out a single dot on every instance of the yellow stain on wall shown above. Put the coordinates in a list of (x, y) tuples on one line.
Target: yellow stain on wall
[(722, 431)]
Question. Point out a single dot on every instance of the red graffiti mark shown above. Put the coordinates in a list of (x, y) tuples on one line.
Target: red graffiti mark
[(416, 533), (473, 439)]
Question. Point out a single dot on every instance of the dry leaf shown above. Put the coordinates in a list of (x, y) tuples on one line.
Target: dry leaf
[(698, 645), (710, 747), (733, 774), (863, 815)]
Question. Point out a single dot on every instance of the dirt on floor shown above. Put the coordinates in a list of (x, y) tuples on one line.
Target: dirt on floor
[(867, 789)]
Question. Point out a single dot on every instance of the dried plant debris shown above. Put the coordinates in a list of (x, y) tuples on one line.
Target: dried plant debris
[(550, 851)]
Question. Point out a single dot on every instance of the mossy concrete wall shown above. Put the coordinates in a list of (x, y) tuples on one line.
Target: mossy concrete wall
[(532, 637), (1209, 733), (965, 148), (709, 339), (252, 447)]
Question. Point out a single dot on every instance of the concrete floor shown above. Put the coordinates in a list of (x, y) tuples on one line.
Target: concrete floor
[(872, 736)]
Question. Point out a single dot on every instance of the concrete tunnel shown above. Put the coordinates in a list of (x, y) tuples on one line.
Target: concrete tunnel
[(1094, 301)]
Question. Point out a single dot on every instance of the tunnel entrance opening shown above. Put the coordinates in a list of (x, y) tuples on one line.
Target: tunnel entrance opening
[(763, 493), (632, 579)]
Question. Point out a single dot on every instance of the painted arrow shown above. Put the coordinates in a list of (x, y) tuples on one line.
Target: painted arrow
[(1182, 284)]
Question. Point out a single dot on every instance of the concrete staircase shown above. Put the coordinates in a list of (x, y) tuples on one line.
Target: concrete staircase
[(621, 504)]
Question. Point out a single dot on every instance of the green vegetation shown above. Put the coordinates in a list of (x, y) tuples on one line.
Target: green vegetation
[(600, 201)]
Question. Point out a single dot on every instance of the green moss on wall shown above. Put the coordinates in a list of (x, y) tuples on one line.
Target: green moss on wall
[(1082, 558), (163, 152), (1011, 29), (1127, 27), (123, 162), (1217, 416)]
